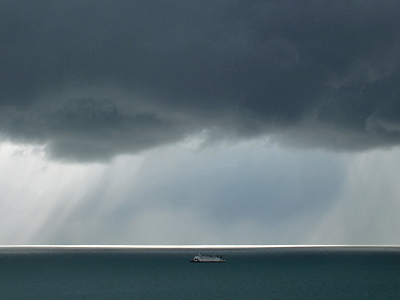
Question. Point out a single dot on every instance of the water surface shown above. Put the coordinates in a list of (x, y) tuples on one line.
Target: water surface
[(165, 273)]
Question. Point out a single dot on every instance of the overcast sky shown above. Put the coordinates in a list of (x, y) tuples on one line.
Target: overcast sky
[(199, 122)]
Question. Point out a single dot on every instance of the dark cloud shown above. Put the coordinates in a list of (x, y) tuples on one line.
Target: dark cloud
[(92, 79), (86, 126)]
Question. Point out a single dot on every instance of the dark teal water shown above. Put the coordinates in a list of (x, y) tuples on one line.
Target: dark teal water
[(267, 273)]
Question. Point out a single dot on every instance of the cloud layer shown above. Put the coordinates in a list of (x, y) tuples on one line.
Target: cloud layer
[(93, 79), (239, 194)]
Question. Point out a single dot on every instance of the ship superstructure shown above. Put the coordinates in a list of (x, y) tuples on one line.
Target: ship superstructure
[(207, 258)]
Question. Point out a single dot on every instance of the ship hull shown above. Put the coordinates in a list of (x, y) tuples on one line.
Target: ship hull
[(196, 261)]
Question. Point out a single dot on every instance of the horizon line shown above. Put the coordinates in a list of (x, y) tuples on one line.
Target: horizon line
[(192, 246)]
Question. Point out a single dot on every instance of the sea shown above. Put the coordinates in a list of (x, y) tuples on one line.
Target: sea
[(166, 273)]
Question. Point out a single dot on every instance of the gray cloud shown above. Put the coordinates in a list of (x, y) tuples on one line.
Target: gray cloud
[(237, 194), (92, 79), (87, 126)]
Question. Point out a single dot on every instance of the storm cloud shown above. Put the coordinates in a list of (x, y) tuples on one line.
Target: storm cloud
[(94, 79)]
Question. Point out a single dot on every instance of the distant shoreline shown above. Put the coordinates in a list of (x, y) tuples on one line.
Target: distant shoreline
[(189, 247)]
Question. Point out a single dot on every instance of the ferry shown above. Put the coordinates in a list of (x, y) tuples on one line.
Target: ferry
[(207, 259)]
